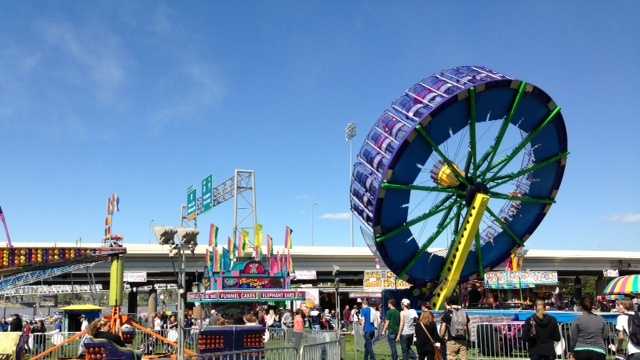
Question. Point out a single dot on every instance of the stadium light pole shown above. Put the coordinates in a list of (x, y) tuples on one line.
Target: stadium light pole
[(350, 132), (179, 241), (313, 215)]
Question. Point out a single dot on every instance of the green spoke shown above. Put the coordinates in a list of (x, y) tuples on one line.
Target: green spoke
[(520, 198), (503, 179), (503, 127), (472, 128), (444, 222), (456, 224), (435, 148), (479, 253), (467, 164), (437, 208), (505, 227), (391, 186), (504, 162), (484, 158)]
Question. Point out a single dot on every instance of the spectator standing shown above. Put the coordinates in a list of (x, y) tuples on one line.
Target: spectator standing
[(16, 323), (298, 329), (314, 315), (287, 319), (58, 325), (588, 333), (346, 318), (83, 323), (375, 317), (368, 329), (270, 318), (625, 345), (455, 328), (427, 338), (391, 327), (408, 320), (354, 315), (540, 332), (39, 340)]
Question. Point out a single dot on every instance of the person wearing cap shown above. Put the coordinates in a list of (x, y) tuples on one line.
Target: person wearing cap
[(408, 319)]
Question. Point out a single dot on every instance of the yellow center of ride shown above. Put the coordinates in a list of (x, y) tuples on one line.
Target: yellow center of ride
[(446, 177)]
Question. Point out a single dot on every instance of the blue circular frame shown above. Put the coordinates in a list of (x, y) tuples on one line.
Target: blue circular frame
[(440, 105)]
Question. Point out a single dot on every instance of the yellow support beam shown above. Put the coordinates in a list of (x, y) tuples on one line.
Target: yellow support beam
[(459, 251), (116, 281)]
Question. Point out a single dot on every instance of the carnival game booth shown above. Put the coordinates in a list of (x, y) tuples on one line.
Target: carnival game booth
[(517, 289), (236, 283), (72, 316)]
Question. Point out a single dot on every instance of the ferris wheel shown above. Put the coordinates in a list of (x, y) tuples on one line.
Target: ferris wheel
[(456, 173)]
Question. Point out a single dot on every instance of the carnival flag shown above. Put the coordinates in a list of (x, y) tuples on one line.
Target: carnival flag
[(6, 228), (269, 246), (289, 262), (288, 238), (258, 241), (245, 240), (208, 260), (231, 246), (226, 260), (213, 235), (240, 251), (217, 260)]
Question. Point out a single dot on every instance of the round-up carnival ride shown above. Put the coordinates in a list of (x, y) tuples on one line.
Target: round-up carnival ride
[(457, 173)]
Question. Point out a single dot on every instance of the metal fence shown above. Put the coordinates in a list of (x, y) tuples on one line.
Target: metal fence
[(279, 342), (505, 340), (282, 353)]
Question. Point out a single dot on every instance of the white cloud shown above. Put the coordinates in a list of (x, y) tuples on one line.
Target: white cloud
[(628, 218), (96, 51), (339, 216)]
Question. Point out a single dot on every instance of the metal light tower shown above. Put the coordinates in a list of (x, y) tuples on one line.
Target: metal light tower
[(179, 241), (313, 219), (350, 132)]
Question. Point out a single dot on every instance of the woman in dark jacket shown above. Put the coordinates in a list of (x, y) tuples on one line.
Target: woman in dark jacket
[(541, 331), (427, 339)]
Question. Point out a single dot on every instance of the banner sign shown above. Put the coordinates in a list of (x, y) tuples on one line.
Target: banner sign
[(42, 290), (382, 279), (519, 279), (245, 295), (135, 276), (610, 273), (305, 275)]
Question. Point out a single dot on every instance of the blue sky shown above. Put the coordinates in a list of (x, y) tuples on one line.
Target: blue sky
[(146, 98)]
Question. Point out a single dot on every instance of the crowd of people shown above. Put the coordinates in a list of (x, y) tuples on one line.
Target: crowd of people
[(420, 336)]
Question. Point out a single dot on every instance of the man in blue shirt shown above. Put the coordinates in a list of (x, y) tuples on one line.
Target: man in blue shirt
[(369, 330)]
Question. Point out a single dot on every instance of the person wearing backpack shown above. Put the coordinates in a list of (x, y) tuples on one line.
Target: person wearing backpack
[(588, 334), (541, 331), (628, 327), (455, 328)]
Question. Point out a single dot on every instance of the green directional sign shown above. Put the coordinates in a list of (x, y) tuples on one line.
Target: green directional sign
[(207, 193), (192, 199)]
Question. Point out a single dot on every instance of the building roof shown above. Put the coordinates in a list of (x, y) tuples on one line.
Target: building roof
[(361, 251)]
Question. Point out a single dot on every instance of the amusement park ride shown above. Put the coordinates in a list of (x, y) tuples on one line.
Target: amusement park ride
[(410, 169)]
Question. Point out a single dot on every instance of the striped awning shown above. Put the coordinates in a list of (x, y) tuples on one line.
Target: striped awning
[(624, 285)]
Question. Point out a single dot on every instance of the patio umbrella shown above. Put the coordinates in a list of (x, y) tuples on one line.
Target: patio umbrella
[(624, 285)]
